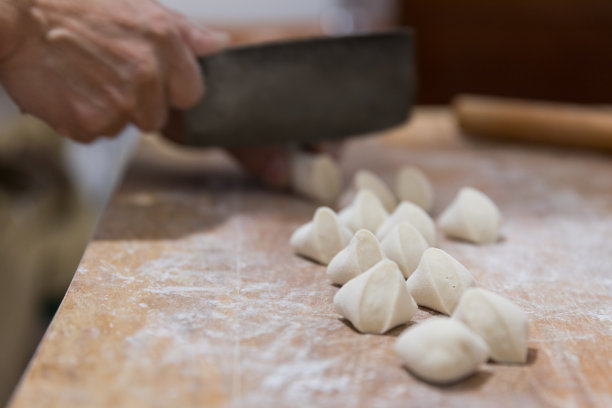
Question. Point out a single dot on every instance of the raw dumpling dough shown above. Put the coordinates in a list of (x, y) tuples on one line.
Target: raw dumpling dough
[(366, 180), (441, 350), (376, 300), (472, 216), (439, 281), (413, 214), (322, 238), (501, 323), (361, 254), (366, 212), (316, 176), (404, 245), (412, 185)]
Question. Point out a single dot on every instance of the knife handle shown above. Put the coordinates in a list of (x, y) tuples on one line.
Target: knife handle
[(534, 121)]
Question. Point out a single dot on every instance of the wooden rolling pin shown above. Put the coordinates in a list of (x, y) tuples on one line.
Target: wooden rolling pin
[(537, 122)]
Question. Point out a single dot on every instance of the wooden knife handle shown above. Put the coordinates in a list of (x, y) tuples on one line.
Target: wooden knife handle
[(531, 121)]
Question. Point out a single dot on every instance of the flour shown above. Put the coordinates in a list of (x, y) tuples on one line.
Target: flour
[(233, 316)]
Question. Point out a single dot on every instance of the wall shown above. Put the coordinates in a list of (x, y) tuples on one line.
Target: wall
[(550, 49)]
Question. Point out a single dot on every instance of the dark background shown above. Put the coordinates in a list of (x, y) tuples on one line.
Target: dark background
[(546, 49)]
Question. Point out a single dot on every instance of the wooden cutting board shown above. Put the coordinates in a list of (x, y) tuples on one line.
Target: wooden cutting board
[(189, 294)]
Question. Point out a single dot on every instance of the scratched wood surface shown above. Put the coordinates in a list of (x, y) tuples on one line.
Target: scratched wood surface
[(190, 296)]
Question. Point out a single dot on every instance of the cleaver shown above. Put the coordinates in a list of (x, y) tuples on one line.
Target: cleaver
[(303, 91)]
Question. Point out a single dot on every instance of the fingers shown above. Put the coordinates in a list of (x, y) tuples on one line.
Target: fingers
[(151, 109), (165, 76), (200, 40), (95, 70), (270, 165), (162, 74), (184, 79), (179, 41), (185, 83)]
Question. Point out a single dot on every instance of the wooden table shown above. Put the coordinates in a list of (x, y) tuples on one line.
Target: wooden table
[(189, 294)]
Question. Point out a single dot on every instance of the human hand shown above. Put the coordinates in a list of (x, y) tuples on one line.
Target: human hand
[(88, 68), (272, 165)]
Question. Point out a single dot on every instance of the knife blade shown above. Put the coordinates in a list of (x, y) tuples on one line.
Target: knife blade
[(303, 90)]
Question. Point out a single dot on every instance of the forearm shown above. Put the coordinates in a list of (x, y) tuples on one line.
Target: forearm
[(11, 12)]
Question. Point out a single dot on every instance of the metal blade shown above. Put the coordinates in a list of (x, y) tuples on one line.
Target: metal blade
[(304, 91)]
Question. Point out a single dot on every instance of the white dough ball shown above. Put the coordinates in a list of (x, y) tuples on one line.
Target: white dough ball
[(472, 216), (322, 238), (316, 176), (377, 300), (411, 184), (366, 212), (413, 214), (366, 180), (404, 245), (501, 323), (439, 281), (441, 350), (361, 254)]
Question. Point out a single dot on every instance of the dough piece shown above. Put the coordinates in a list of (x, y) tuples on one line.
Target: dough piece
[(376, 300), (411, 184), (471, 216), (439, 281), (322, 238), (404, 245), (413, 214), (501, 323), (361, 254), (347, 197), (316, 176), (366, 212), (366, 180), (441, 350)]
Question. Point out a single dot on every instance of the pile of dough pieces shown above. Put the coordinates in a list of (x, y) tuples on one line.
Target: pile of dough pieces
[(380, 248)]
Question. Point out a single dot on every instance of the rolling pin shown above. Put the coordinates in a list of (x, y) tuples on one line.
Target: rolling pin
[(535, 122)]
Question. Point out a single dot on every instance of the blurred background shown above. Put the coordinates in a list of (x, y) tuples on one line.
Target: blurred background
[(52, 191)]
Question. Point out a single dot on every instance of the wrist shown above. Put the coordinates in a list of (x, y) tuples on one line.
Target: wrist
[(11, 14)]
